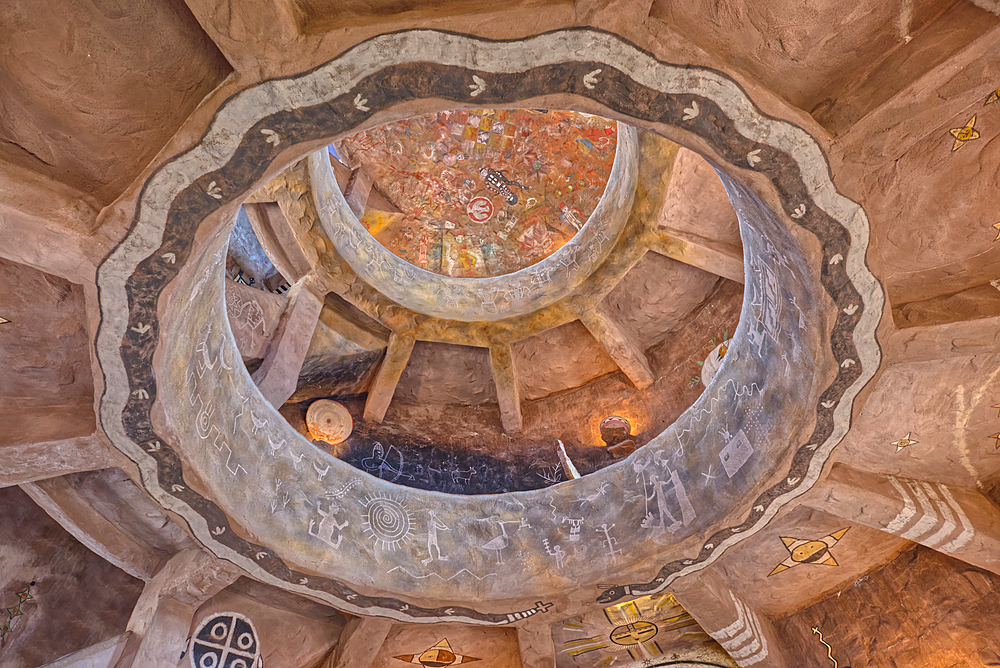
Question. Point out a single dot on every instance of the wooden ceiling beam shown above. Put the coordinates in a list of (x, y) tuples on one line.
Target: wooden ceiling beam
[(397, 355)]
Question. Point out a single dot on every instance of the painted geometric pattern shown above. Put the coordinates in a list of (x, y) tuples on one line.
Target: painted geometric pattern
[(226, 640), (484, 192)]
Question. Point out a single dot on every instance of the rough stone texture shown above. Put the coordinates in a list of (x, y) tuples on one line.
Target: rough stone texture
[(46, 366), (656, 295), (439, 373), (79, 599), (982, 301), (91, 97), (952, 431), (776, 44), (288, 638), (872, 623), (697, 204), (560, 359), (747, 568), (322, 15), (494, 647), (113, 494)]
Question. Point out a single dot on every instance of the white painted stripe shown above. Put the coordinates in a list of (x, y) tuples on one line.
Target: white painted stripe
[(906, 514), (762, 654), (949, 519), (967, 531), (755, 651), (735, 627), (747, 634), (747, 651), (929, 518), (337, 77)]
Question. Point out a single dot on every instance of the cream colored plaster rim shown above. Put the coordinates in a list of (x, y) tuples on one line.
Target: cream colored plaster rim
[(480, 299), (334, 79)]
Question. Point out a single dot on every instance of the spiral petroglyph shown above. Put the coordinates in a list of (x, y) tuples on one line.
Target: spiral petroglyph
[(389, 522)]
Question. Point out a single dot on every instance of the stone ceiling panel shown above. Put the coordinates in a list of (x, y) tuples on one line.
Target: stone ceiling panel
[(91, 97)]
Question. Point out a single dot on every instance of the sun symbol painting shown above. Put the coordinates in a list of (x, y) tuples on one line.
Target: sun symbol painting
[(651, 628)]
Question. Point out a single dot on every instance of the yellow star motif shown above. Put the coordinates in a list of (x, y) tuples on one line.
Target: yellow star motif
[(997, 226), (964, 134), (997, 405), (997, 437), (904, 442), (994, 96), (804, 551)]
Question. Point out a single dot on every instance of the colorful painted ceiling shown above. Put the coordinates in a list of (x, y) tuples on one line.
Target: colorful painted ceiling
[(483, 192)]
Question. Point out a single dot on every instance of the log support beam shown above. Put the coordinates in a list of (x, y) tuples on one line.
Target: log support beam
[(278, 375), (397, 355), (537, 648), (957, 521), (28, 462), (623, 348), (715, 257), (505, 380), (360, 641), (730, 618), (162, 617)]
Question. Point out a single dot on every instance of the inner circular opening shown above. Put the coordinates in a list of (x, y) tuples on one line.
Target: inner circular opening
[(444, 429), (480, 192)]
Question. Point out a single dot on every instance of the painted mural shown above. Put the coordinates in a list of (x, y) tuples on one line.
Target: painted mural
[(650, 630), (484, 192), (15, 612)]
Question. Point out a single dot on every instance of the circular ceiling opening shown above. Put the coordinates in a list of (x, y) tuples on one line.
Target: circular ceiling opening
[(216, 451), (483, 192)]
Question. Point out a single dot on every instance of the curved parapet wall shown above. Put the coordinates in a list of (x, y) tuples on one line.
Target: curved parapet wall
[(255, 492), (477, 299)]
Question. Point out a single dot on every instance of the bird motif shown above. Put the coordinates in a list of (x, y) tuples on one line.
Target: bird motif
[(498, 543)]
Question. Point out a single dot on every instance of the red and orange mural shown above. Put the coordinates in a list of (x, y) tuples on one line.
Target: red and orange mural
[(483, 192)]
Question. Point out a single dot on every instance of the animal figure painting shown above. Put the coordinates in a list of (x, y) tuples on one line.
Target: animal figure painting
[(483, 192)]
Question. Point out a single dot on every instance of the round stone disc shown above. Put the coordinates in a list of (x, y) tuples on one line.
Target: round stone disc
[(329, 421)]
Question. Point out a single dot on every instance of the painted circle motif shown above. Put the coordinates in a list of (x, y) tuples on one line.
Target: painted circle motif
[(329, 421), (634, 633), (437, 658), (810, 552), (226, 640), (388, 520), (480, 209), (182, 193)]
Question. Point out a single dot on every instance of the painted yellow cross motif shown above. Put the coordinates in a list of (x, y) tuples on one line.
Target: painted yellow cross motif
[(994, 96), (964, 134), (904, 442), (804, 551)]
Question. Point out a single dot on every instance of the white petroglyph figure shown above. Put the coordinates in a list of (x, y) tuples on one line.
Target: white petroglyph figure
[(433, 526), (663, 512), (556, 551), (610, 542), (327, 525), (501, 541), (575, 524)]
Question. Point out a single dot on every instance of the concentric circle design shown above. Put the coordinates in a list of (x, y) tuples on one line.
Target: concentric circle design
[(480, 299), (821, 314), (388, 521), (225, 640)]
